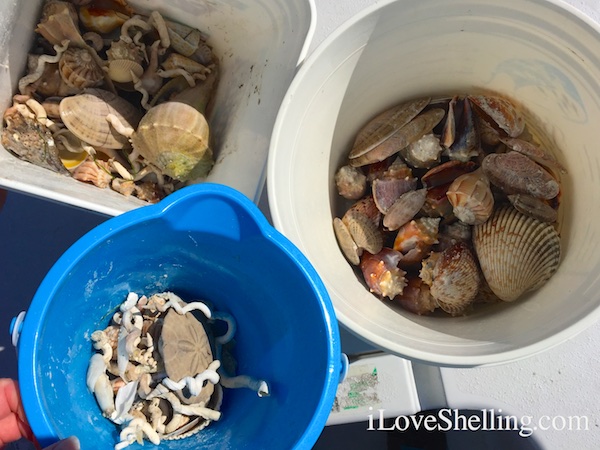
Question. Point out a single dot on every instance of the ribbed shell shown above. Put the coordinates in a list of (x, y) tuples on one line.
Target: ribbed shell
[(121, 70), (364, 231), (456, 279), (78, 69), (516, 253), (174, 136), (85, 116)]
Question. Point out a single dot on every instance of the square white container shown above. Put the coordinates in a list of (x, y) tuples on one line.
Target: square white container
[(545, 54), (259, 44)]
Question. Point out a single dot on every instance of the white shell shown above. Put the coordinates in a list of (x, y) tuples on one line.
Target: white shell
[(516, 253)]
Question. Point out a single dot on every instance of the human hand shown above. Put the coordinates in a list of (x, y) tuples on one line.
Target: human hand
[(13, 423)]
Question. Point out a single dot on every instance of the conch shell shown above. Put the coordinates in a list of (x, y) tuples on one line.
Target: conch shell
[(59, 22)]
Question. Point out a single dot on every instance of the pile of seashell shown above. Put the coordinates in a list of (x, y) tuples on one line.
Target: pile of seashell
[(154, 373), (115, 98), (453, 202)]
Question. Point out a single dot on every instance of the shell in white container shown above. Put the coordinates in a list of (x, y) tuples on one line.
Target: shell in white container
[(516, 253)]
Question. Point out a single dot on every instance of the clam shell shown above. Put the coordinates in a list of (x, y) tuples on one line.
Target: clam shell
[(174, 136), (78, 69), (455, 279), (517, 253), (85, 116)]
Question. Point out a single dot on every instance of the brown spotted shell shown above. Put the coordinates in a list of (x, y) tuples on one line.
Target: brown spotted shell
[(78, 69), (454, 278), (471, 198), (85, 116), (175, 137), (517, 253), (185, 349)]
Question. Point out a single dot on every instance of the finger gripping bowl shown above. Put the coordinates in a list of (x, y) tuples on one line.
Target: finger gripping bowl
[(204, 242)]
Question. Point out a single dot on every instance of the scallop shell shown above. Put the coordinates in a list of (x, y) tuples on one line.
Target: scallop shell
[(471, 198), (174, 136), (85, 116), (78, 68), (517, 253), (124, 70), (454, 278)]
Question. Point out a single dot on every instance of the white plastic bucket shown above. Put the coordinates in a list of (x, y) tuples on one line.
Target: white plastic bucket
[(542, 53), (258, 43)]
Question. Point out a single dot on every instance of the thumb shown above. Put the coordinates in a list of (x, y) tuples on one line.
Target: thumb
[(71, 443)]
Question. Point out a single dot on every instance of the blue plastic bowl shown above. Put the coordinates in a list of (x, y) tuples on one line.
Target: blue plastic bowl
[(202, 242)]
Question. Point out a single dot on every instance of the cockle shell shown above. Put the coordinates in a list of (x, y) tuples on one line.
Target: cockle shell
[(124, 50), (515, 173), (471, 198), (516, 253), (175, 137), (346, 242), (124, 70), (362, 221), (79, 69), (453, 277)]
